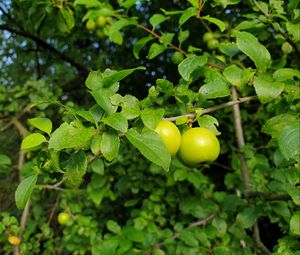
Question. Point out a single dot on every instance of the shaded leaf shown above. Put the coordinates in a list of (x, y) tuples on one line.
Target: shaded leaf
[(24, 191), (151, 146)]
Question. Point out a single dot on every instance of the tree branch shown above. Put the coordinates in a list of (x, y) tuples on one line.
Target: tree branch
[(244, 167), (214, 108), (46, 46), (268, 196)]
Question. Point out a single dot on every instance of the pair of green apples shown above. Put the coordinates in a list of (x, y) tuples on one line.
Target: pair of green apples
[(195, 145)]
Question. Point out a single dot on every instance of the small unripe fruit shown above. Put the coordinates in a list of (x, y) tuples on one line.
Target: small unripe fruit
[(170, 135), (14, 240), (63, 218), (286, 48), (90, 25), (177, 57), (208, 36), (101, 21), (213, 44)]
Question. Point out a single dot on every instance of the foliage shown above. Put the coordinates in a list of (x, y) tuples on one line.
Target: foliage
[(92, 151)]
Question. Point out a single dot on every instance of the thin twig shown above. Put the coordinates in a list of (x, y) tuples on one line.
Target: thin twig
[(214, 108), (82, 69), (240, 140), (159, 37), (244, 167), (18, 116), (56, 185), (268, 196), (199, 9)]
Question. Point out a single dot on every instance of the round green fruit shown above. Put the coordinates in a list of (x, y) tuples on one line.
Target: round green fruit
[(170, 135), (90, 25), (101, 21), (286, 48), (177, 57), (63, 218), (208, 36), (213, 44), (199, 145)]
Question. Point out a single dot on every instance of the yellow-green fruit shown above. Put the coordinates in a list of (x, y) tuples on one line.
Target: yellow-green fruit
[(63, 218), (208, 36), (199, 145), (14, 240), (101, 21), (100, 33), (170, 135), (90, 25), (213, 44), (286, 48)]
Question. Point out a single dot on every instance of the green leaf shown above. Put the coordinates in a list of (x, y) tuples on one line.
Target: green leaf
[(295, 223), (76, 167), (96, 144), (24, 191), (97, 189), (68, 18), (32, 141), (289, 140), (183, 35), (97, 79), (274, 125), (113, 227), (248, 24), (294, 192), (151, 146), (165, 86), (97, 166), (88, 3), (267, 89), (220, 225), (215, 89), (133, 234), (73, 135), (209, 122), (155, 50), (180, 175), (117, 121), (216, 21), (229, 49), (284, 74), (140, 44), (258, 53), (102, 98), (293, 29), (110, 145), (151, 117), (130, 107), (236, 76), (43, 124), (188, 238), (4, 160), (247, 217), (114, 31), (105, 247), (190, 64), (157, 19), (166, 39), (187, 14)]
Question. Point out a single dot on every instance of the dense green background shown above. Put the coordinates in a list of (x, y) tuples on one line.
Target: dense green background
[(103, 164)]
